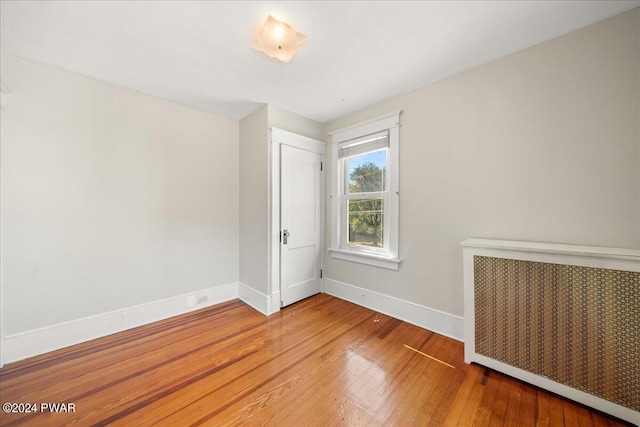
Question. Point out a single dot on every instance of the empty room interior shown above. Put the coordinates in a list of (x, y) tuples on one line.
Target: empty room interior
[(355, 213)]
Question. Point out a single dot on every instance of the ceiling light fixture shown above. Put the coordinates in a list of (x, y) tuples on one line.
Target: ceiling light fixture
[(279, 40)]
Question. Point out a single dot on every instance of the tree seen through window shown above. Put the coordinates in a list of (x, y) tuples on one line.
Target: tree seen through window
[(367, 174)]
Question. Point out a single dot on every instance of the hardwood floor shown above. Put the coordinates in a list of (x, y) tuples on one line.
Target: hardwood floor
[(320, 362)]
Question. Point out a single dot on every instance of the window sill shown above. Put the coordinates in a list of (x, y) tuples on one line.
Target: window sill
[(369, 259)]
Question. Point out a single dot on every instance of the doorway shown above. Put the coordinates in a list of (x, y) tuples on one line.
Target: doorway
[(297, 216)]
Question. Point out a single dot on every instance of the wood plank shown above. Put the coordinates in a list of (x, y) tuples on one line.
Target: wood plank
[(513, 401), (499, 407), (444, 349), (542, 415), (484, 410), (322, 361), (464, 395), (556, 413)]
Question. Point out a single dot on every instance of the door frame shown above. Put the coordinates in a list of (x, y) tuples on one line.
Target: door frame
[(278, 137)]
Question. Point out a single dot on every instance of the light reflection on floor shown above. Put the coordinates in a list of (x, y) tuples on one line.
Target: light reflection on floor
[(365, 385)]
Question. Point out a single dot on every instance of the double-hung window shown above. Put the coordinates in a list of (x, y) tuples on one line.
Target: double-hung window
[(365, 192)]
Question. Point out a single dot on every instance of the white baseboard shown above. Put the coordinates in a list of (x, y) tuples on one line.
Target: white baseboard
[(428, 318), (275, 302), (32, 343), (38, 341), (255, 299)]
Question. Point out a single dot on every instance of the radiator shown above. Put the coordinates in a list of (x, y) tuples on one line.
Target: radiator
[(565, 318)]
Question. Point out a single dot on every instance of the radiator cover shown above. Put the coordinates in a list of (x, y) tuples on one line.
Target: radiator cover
[(558, 323), (578, 326)]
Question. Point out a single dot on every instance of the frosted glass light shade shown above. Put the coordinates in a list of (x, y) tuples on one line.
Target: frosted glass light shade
[(279, 40)]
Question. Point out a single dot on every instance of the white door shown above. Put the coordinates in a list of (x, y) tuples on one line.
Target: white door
[(300, 223)]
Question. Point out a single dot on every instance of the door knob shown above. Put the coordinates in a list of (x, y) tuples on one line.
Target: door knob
[(285, 236)]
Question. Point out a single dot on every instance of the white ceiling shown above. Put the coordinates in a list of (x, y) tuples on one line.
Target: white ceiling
[(198, 53)]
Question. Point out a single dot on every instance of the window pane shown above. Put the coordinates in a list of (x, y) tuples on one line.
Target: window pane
[(367, 172), (366, 222)]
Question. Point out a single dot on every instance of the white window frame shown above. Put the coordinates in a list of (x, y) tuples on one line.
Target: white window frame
[(388, 256)]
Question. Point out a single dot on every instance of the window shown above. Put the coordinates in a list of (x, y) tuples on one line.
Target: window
[(365, 192)]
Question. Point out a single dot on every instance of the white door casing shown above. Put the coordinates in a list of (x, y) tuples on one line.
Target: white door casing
[(300, 223)]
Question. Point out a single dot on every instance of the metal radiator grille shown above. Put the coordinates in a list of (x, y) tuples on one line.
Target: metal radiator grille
[(578, 326)]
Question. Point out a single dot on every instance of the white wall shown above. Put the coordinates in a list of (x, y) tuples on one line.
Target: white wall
[(255, 175), (295, 123), (110, 198), (542, 145), (254, 137)]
